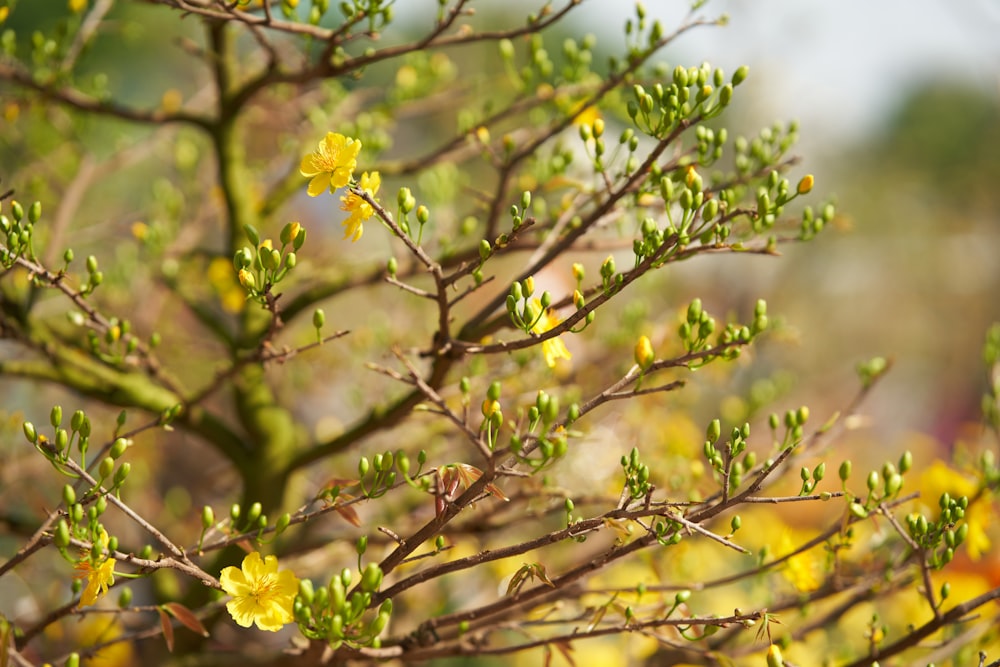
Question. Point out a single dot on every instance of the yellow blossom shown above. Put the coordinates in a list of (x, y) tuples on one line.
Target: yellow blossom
[(77, 6), (98, 577), (332, 164), (553, 348), (359, 209), (803, 570), (261, 594), (587, 116)]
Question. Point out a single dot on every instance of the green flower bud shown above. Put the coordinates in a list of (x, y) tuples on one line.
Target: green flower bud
[(371, 578), (484, 250), (234, 513), (118, 448), (844, 471), (207, 517), (29, 432), (60, 536), (318, 318), (493, 393), (905, 462), (123, 470), (740, 75), (106, 468), (736, 523), (282, 523)]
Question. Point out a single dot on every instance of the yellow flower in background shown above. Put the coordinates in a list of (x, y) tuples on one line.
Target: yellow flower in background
[(803, 570), (220, 277), (77, 6), (98, 577), (332, 164), (553, 348), (261, 594), (359, 209)]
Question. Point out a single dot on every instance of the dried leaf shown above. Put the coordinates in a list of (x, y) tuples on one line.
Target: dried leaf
[(186, 618), (168, 629)]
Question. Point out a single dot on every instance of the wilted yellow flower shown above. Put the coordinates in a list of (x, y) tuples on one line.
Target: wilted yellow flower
[(261, 594), (359, 209), (332, 164), (553, 348)]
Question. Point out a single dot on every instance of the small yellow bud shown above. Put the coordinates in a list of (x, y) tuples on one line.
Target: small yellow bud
[(490, 408), (483, 134), (578, 272), (644, 355), (806, 184), (691, 175), (246, 279), (774, 658)]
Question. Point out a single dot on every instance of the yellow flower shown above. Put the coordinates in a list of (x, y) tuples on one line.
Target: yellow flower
[(98, 578), (553, 348), (261, 594), (359, 209), (332, 164), (803, 570)]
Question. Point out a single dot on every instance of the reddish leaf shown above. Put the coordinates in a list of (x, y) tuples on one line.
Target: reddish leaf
[(186, 618), (567, 651), (168, 629), (349, 515)]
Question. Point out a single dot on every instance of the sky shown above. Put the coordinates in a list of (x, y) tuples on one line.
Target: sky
[(836, 66)]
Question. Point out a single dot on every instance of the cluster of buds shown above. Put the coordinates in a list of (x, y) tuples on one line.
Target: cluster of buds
[(336, 614), (262, 267)]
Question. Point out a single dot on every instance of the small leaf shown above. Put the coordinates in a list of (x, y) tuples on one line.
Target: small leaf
[(168, 629), (349, 514), (186, 618), (567, 652)]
